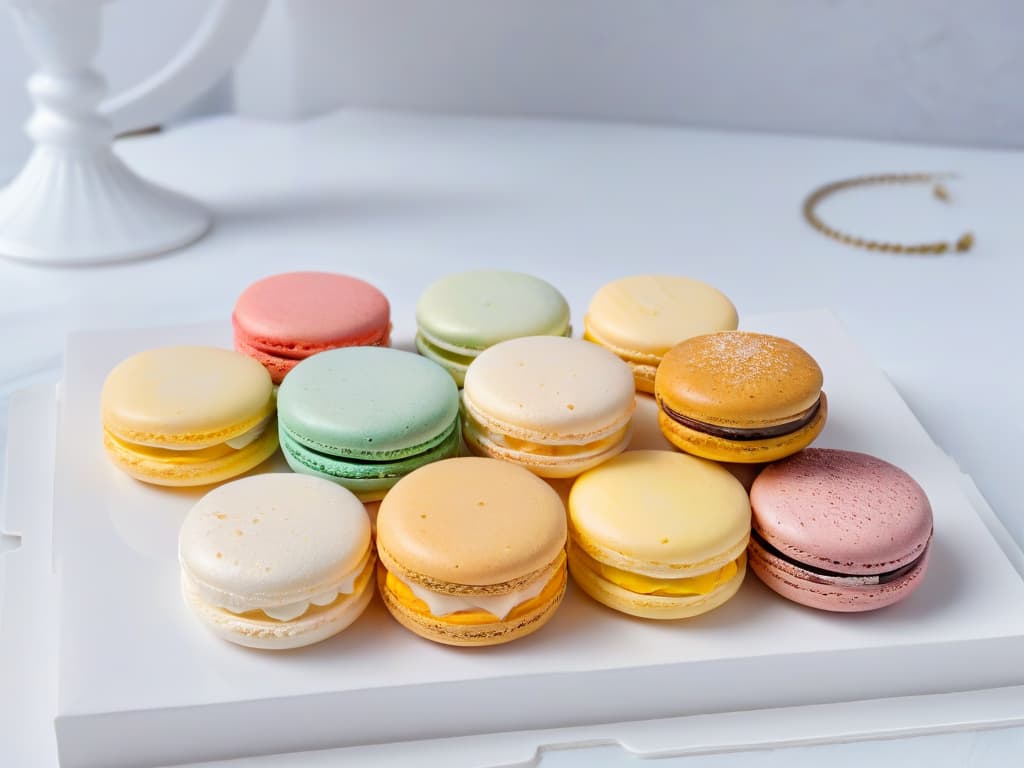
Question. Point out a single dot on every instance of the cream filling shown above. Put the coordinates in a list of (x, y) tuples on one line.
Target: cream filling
[(496, 605), (254, 434), (283, 611)]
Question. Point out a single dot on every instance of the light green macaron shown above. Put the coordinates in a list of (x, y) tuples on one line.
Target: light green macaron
[(367, 416), (461, 315)]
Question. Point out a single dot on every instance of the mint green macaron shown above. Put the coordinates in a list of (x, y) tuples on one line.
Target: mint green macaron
[(461, 315), (367, 416)]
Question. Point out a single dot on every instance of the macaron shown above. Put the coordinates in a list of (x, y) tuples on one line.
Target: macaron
[(188, 415), (641, 317), (277, 561), (740, 397), (366, 416), (658, 534), (463, 314), (556, 406), (285, 318), (472, 552), (839, 530)]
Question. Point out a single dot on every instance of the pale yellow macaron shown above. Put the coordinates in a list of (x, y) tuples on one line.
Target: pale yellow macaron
[(554, 405), (472, 551), (188, 415), (658, 534), (641, 317)]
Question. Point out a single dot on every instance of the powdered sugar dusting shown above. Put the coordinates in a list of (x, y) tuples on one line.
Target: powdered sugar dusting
[(739, 357)]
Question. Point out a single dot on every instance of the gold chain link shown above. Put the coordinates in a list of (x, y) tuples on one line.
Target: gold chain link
[(938, 190)]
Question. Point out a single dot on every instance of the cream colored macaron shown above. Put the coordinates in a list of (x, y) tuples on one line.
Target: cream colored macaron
[(472, 551), (641, 317), (277, 561), (658, 534), (554, 405)]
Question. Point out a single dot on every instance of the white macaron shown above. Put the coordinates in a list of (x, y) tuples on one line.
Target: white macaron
[(277, 561)]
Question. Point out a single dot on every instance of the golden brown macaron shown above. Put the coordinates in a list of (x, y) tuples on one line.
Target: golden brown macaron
[(472, 551), (740, 397)]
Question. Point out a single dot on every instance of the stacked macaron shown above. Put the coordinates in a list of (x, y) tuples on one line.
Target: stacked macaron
[(477, 550)]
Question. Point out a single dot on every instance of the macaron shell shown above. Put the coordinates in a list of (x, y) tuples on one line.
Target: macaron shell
[(651, 606), (368, 403), (455, 364), (743, 451), (179, 468), (448, 633), (185, 397), (370, 481), (297, 314), (660, 513), (471, 311), (279, 367), (842, 511), (550, 389), (470, 521), (253, 632), (738, 379), (273, 538), (803, 587), (648, 314)]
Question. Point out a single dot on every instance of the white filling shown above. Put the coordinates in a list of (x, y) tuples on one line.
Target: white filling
[(238, 443), (291, 611), (497, 605)]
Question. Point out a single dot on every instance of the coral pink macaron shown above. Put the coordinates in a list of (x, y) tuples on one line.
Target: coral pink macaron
[(283, 319), (839, 530)]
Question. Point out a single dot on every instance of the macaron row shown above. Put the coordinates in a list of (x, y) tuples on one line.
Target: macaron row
[(474, 551)]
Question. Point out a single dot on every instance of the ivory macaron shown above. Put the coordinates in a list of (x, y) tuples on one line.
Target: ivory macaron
[(285, 318), (839, 530), (741, 397), (184, 416), (472, 552), (641, 317), (658, 534), (461, 315), (556, 406), (277, 561)]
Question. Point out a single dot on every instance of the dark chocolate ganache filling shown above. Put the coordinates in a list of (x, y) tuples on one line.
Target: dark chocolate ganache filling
[(835, 576), (740, 433)]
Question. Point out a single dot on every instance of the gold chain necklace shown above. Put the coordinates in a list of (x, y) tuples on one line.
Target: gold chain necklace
[(938, 190)]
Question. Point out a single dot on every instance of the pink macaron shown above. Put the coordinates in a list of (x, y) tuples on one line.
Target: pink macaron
[(283, 319), (839, 530)]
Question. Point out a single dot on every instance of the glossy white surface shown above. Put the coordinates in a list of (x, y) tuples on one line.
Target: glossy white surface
[(403, 199)]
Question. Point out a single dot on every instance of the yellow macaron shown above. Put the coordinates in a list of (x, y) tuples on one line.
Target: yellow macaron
[(641, 317), (740, 397), (472, 551), (658, 534), (184, 416)]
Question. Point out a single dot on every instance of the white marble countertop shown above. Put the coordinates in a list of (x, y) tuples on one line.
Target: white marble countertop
[(400, 199)]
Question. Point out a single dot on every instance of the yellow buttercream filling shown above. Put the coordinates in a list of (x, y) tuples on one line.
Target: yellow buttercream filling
[(406, 598), (171, 456), (640, 584)]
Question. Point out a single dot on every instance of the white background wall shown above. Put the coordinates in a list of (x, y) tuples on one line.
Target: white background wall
[(932, 70), (140, 35)]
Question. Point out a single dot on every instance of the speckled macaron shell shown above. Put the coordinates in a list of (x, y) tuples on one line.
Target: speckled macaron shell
[(285, 318), (641, 317), (557, 406), (473, 527), (367, 414), (842, 512), (460, 315), (660, 515), (168, 415), (740, 380), (292, 545)]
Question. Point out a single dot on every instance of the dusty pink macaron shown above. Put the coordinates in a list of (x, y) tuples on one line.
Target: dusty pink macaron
[(839, 530), (283, 319)]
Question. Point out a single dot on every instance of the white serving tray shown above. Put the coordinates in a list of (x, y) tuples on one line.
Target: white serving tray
[(139, 664)]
